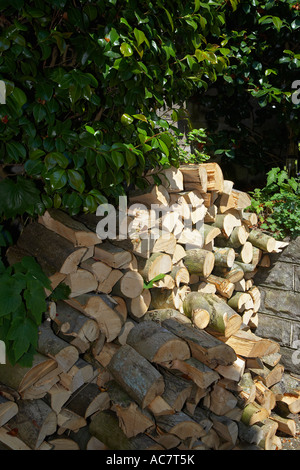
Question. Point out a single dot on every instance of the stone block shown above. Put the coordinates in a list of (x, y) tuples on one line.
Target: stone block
[(297, 278), (279, 303), (290, 359), (274, 328), (291, 253), (280, 276)]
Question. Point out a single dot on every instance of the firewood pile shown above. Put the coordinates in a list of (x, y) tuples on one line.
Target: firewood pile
[(155, 348)]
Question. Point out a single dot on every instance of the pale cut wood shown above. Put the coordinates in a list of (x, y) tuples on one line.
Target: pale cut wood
[(233, 372), (81, 373), (89, 400), (139, 306), (21, 378), (101, 308), (250, 218), (66, 226), (156, 344), (8, 409), (159, 315), (206, 288), (245, 253), (239, 301), (68, 420), (141, 245), (153, 194), (200, 262), (132, 419), (122, 338), (136, 375), (215, 178), (264, 396), (181, 425), (236, 200), (194, 177), (180, 275), (35, 420), (166, 243), (158, 263), (51, 345), (166, 299), (285, 425), (261, 240), (112, 255), (226, 223), (9, 441), (159, 407), (269, 375), (237, 238), (57, 397), (221, 400), (269, 429), (177, 389), (202, 375), (62, 443), (99, 269), (130, 285), (257, 255), (81, 282), (179, 254), (70, 325), (234, 274), (265, 261), (210, 233), (247, 344), (211, 214), (254, 413), (224, 287), (204, 347), (63, 259), (106, 286), (106, 354)]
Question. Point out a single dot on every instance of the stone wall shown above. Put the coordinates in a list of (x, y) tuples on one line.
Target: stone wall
[(279, 315)]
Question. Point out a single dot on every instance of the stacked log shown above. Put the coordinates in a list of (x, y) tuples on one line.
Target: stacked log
[(155, 348)]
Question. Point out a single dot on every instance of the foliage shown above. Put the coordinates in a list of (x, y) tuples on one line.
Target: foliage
[(22, 305), (278, 204), (197, 139), (84, 84), (253, 97)]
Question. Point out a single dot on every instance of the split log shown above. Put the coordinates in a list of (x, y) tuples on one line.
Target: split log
[(100, 270), (63, 443), (254, 413), (132, 419), (8, 409), (156, 344), (247, 344), (166, 243), (103, 309), (158, 263), (57, 397), (181, 425), (257, 255), (130, 285), (74, 327), (264, 396), (153, 194), (237, 237), (126, 328), (81, 373), (221, 400), (113, 256), (236, 200), (180, 275), (177, 389), (89, 400), (34, 421), (139, 306), (166, 299), (262, 241), (159, 315), (269, 429), (226, 428), (106, 286), (194, 177), (64, 259), (215, 178), (235, 274), (250, 218), (210, 233), (200, 262), (239, 301), (159, 407), (204, 347), (202, 375), (52, 346), (21, 378), (67, 227), (179, 254), (285, 425), (10, 441), (136, 375), (224, 287), (269, 375), (67, 420), (245, 253), (233, 372)]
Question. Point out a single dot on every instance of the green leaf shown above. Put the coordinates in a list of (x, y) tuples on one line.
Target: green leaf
[(155, 279), (34, 296), (56, 158), (18, 196), (76, 181), (277, 22), (126, 119), (141, 117), (118, 159), (19, 97), (24, 335), (139, 36), (126, 49), (58, 179), (10, 298)]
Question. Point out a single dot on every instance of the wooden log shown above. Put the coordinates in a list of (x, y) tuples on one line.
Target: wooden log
[(221, 400), (159, 315), (257, 255), (239, 301), (233, 372), (8, 409), (269, 429), (264, 396), (247, 389), (223, 318), (81, 373), (102, 309), (204, 347), (21, 378), (254, 413), (245, 253), (181, 275), (261, 240), (52, 346), (200, 262), (106, 286), (197, 309), (255, 294), (157, 344), (57, 397), (224, 257), (226, 223), (215, 178), (285, 425), (63, 443), (179, 254), (140, 304), (238, 237), (132, 419), (100, 270), (130, 285), (67, 227), (159, 407), (202, 375), (158, 263), (236, 200), (180, 424), (210, 233), (224, 287), (113, 256), (165, 299), (74, 327), (126, 328), (89, 400), (225, 427), (34, 421), (250, 218), (190, 238), (177, 390), (138, 377), (105, 426), (165, 243), (194, 177), (67, 420), (138, 245), (153, 194), (235, 274), (63, 259), (269, 375), (247, 344)]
